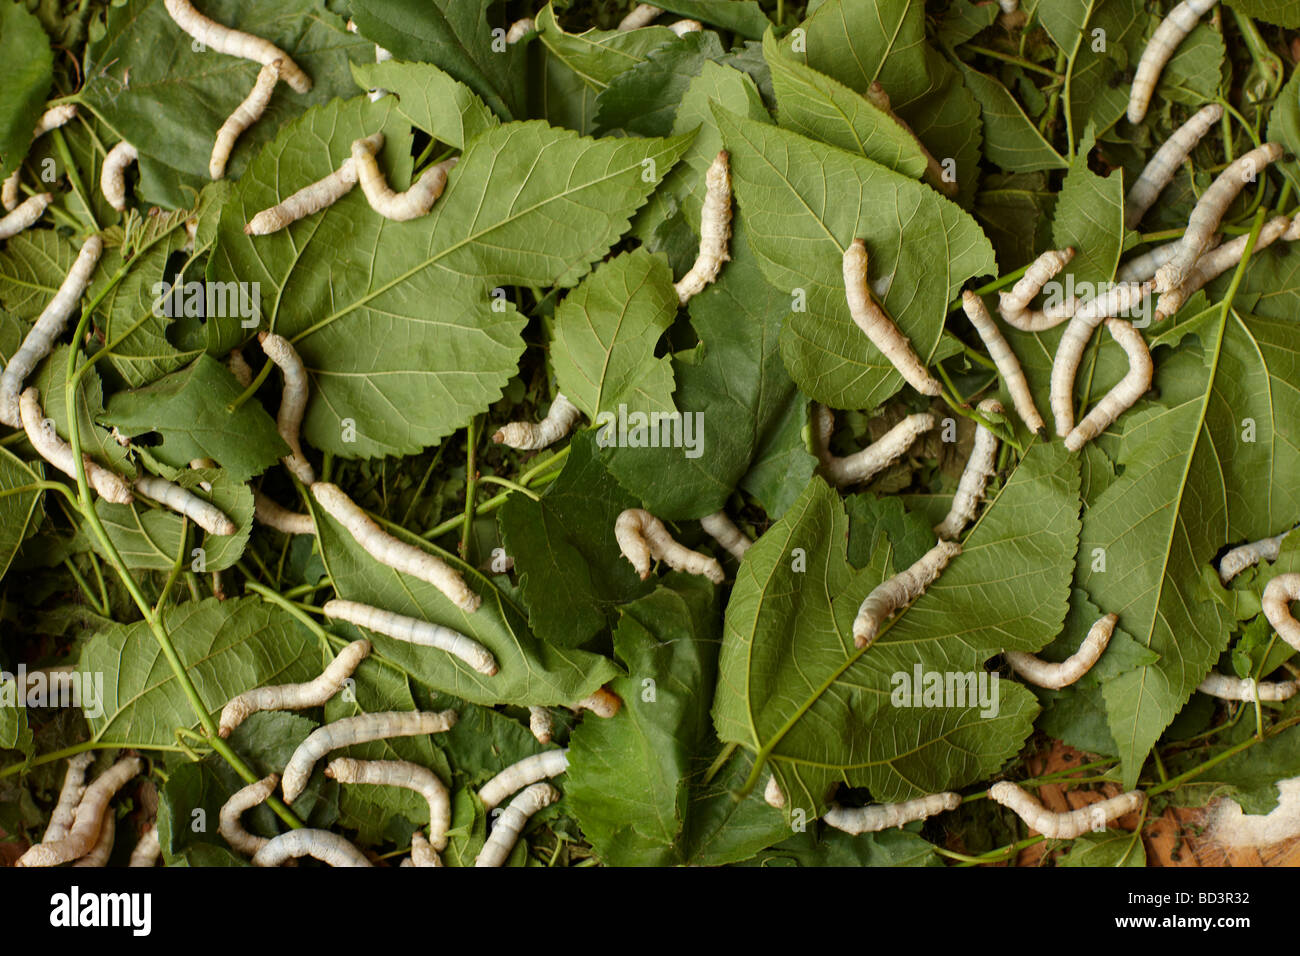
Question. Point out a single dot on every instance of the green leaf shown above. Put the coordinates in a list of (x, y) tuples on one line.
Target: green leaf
[(26, 73), (598, 56), (644, 99), (33, 265), (50, 379), (742, 17), (19, 512), (832, 848), (1284, 13), (429, 99), (1100, 38), (1010, 139), (1283, 124), (1090, 217), (858, 43), (1109, 849), (1192, 75)]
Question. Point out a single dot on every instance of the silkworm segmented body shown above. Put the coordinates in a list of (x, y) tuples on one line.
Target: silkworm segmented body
[(683, 27), (239, 368), (542, 766), (1045, 674), (323, 845), (879, 328), (1013, 306), (934, 172), (531, 436), (223, 39), (772, 794), (1066, 825), (724, 531), (1164, 164), (241, 801), (422, 853), (84, 833), (642, 15), (1125, 392), (715, 231), (1172, 30), (883, 816), (900, 590), (541, 724), (147, 849), (24, 214), (1004, 358), (1143, 267), (245, 115), (74, 786), (865, 464), (203, 513), (1278, 595), (103, 848), (1249, 554), (399, 207), (1245, 688), (408, 776), (270, 513), (641, 536), (293, 402), (980, 467), (109, 485), (52, 118), (112, 175), (313, 693), (511, 821), (1214, 262), (414, 631), (603, 703), (311, 199), (520, 29)]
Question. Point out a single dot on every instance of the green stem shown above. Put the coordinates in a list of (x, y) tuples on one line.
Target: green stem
[(507, 483), (176, 568), (54, 756), (1065, 94), (471, 484), (74, 177), (1017, 60), (98, 608), (249, 392)]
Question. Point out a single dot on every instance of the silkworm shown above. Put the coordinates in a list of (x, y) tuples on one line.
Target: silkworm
[(524, 773), (520, 29), (229, 824), (1245, 688), (329, 848), (1143, 267), (312, 693), (223, 39), (109, 485), (24, 214), (203, 513), (90, 817), (541, 724), (683, 27), (900, 590), (270, 513), (1009, 6), (980, 467), (1125, 392), (512, 820), (879, 328), (883, 816), (641, 536), (1164, 164), (311, 199), (1042, 673), (1248, 555), (603, 703), (400, 207), (1209, 209), (1065, 825), (414, 631), (358, 730), (715, 231), (642, 15), (865, 464), (531, 436), (147, 850), (1276, 603), (878, 98), (724, 531), (407, 776), (112, 175), (293, 403), (1214, 262), (103, 848), (772, 794), (245, 115), (48, 327), (52, 118), (65, 811), (1172, 30), (1013, 306), (239, 368), (422, 852), (1004, 358)]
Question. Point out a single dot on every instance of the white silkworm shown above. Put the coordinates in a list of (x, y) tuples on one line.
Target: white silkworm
[(329, 848), (524, 773), (103, 848), (1009, 6), (541, 724), (239, 368), (52, 118), (1245, 688), (1013, 306), (1248, 555), (1172, 30), (311, 199), (1046, 674), (883, 816), (388, 551), (1125, 392), (65, 811), (531, 436), (603, 703), (980, 467), (203, 513), (1164, 164), (724, 531), (879, 328), (772, 794), (520, 29), (641, 536), (48, 327), (642, 15), (865, 464), (1214, 262), (358, 730), (245, 115), (24, 214), (422, 853), (1004, 358), (1209, 209), (90, 818), (312, 693), (683, 27), (900, 590), (147, 850), (112, 175), (241, 801), (1143, 267), (934, 172), (270, 513), (293, 403), (406, 775), (1066, 825), (223, 39), (109, 485), (414, 631), (400, 207), (715, 231), (512, 820), (1276, 603)]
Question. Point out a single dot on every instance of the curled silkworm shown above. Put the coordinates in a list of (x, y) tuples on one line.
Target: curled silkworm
[(1124, 393), (84, 833), (865, 464), (724, 531), (512, 820), (1245, 688), (400, 207), (422, 852), (203, 513), (358, 730), (883, 816), (270, 513), (52, 118), (241, 801), (1143, 267), (147, 850), (48, 326), (245, 115), (1004, 358), (1065, 825), (980, 467), (520, 29), (293, 402), (772, 794), (1160, 170), (715, 231), (74, 785), (1013, 306), (1248, 555), (531, 436), (642, 15), (879, 328), (223, 39), (414, 631), (542, 766), (322, 845), (1214, 262), (313, 693), (641, 536), (408, 776), (1180, 21), (388, 551), (239, 368), (934, 172), (683, 27), (103, 848), (1279, 594), (112, 175), (900, 590), (541, 724), (603, 703), (311, 199), (24, 214), (1045, 674), (109, 485)]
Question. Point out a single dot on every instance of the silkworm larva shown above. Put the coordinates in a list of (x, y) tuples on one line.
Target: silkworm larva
[(414, 631), (724, 531), (273, 515), (400, 207), (541, 723), (52, 118), (422, 852), (1045, 674), (203, 513), (388, 551), (900, 590), (715, 231), (683, 27), (293, 402), (1009, 6), (642, 15), (90, 817), (1004, 357), (245, 115), (1214, 262), (1013, 306), (542, 766), (408, 776), (109, 485), (48, 327), (1248, 555), (865, 464), (603, 703), (1209, 209), (312, 693), (980, 467), (1245, 688), (358, 730), (239, 368), (934, 173), (24, 214), (74, 785), (772, 794), (311, 199), (1143, 267), (512, 820), (879, 328), (1279, 594), (1160, 170), (520, 29), (1173, 28), (1065, 825), (883, 816), (229, 823), (147, 850), (1125, 392), (112, 175), (322, 845), (223, 39), (531, 436), (641, 536), (103, 848)]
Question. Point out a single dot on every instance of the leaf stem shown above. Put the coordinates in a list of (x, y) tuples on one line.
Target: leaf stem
[(1016, 60), (507, 483), (471, 484), (249, 392)]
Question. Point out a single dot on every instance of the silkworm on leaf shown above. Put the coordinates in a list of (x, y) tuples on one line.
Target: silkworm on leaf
[(239, 368), (388, 551), (1013, 306), (980, 467), (1248, 555), (313, 693), (724, 531), (772, 794), (399, 207), (541, 724), (879, 328), (203, 513), (414, 631), (1008, 366), (270, 513), (112, 175), (1218, 260), (406, 775), (1046, 674), (358, 730), (74, 786), (934, 173), (293, 402), (422, 853), (900, 590), (223, 39), (103, 848), (90, 817), (147, 850), (683, 27), (307, 201), (883, 816), (603, 703), (231, 827), (531, 436), (109, 485), (641, 536), (52, 118), (870, 461), (1065, 825), (1172, 30), (520, 29), (511, 821), (329, 848), (1165, 163), (524, 773), (715, 231), (1244, 688), (24, 214), (1276, 603), (642, 15), (1125, 392), (245, 115)]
